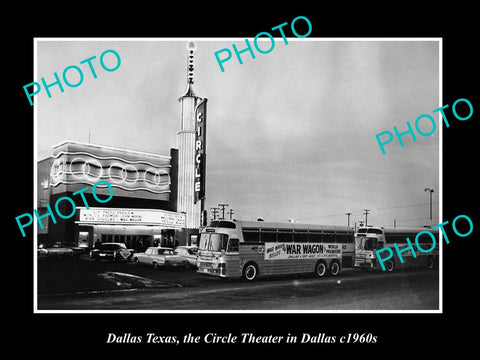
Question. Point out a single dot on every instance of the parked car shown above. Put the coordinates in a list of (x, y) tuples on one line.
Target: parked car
[(112, 252), (160, 256), (189, 253), (55, 250), (71, 245)]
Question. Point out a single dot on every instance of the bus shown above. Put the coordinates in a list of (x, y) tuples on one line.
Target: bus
[(372, 238), (249, 249)]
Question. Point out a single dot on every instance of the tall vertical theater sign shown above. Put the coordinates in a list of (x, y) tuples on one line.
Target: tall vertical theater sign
[(191, 151), (200, 151)]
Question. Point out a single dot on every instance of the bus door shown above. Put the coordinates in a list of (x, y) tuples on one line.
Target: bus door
[(232, 258)]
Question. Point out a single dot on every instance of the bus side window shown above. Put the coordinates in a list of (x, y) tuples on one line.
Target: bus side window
[(232, 245)]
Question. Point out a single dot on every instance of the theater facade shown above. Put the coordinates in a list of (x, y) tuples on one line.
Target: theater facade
[(158, 199)]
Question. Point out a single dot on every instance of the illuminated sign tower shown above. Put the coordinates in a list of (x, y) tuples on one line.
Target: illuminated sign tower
[(191, 150)]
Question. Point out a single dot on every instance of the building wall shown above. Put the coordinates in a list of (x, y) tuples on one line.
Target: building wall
[(43, 194), (130, 173), (139, 181)]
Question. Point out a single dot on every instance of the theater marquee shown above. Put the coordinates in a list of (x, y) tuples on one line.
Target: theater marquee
[(97, 216)]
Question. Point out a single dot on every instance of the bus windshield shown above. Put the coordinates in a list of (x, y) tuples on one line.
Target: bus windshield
[(358, 243), (213, 242), (369, 243), (366, 243), (203, 241)]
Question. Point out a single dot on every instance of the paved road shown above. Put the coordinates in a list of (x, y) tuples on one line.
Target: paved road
[(353, 290)]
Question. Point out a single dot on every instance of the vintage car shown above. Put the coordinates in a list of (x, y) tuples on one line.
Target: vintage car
[(189, 253), (112, 252), (71, 245), (160, 256), (56, 250)]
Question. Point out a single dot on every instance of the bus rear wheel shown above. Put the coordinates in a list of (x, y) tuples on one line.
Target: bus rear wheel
[(320, 269), (250, 272), (334, 268)]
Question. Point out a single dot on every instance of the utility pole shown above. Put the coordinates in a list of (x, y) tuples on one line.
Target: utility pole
[(223, 210), (214, 212), (365, 212), (348, 218), (230, 212), (431, 191)]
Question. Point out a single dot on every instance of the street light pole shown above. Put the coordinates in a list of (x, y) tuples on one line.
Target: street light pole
[(348, 218), (366, 213), (431, 191)]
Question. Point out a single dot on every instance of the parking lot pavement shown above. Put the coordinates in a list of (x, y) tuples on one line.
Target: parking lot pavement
[(353, 290), (85, 274)]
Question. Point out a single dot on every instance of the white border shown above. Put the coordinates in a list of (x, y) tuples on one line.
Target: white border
[(35, 177)]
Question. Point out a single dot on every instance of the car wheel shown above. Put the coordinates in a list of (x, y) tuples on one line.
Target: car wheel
[(187, 265), (155, 265), (136, 261)]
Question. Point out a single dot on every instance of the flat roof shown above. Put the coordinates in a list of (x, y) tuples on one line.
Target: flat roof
[(108, 147)]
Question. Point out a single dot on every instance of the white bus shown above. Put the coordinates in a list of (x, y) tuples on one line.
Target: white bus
[(372, 238), (248, 249)]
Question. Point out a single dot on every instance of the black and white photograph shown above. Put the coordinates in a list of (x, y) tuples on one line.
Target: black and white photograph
[(193, 187), (282, 178)]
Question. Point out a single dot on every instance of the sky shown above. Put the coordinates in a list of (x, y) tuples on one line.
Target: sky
[(290, 134)]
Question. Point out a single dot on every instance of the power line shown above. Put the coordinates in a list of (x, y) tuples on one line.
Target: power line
[(405, 206), (214, 212)]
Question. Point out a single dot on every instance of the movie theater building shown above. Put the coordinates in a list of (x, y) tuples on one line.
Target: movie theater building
[(157, 199)]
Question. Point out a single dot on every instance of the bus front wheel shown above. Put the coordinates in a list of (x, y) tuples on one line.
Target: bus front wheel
[(390, 266), (250, 271), (320, 269)]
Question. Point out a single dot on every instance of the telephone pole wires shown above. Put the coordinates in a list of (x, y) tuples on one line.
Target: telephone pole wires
[(365, 212)]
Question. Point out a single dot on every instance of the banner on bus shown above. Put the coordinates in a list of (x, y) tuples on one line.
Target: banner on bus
[(281, 251)]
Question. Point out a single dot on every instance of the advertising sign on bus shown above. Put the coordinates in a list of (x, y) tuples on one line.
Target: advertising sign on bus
[(284, 251)]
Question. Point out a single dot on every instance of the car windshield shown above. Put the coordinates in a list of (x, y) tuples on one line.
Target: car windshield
[(109, 247), (67, 244), (165, 252)]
